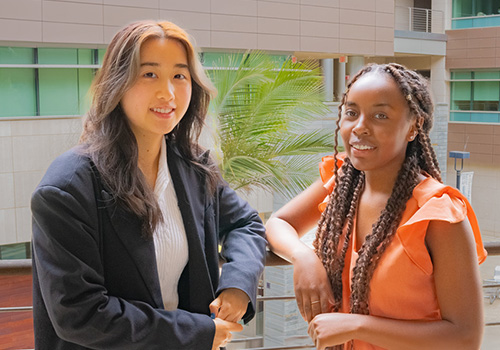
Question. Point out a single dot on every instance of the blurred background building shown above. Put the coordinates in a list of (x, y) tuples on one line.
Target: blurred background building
[(50, 50)]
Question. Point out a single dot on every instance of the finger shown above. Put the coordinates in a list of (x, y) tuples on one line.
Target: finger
[(298, 298), (311, 331), (315, 307), (307, 309), (233, 316), (215, 307), (233, 326), (227, 340), (326, 303)]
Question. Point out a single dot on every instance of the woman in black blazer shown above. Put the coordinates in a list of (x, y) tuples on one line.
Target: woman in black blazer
[(98, 272)]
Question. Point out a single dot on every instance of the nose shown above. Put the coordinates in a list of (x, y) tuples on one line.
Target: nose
[(166, 91), (360, 126)]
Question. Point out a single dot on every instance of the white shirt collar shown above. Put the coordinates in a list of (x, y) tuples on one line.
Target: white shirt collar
[(163, 176)]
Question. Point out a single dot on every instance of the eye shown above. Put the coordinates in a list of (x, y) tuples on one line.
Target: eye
[(180, 76), (380, 116), (350, 113), (150, 75)]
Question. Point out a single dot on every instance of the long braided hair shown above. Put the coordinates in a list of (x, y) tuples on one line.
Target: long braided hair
[(330, 243)]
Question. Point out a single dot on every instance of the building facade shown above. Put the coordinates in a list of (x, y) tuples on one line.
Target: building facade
[(49, 51), (473, 62)]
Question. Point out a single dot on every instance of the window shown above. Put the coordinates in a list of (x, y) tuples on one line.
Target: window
[(472, 8), (475, 96), (17, 90), (475, 13), (46, 81)]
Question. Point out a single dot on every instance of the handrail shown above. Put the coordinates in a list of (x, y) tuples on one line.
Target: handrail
[(15, 267), (23, 266)]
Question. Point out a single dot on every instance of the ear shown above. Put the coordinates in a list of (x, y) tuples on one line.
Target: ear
[(415, 127)]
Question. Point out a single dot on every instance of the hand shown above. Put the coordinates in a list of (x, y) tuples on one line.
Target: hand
[(223, 331), (230, 305), (312, 287), (332, 329)]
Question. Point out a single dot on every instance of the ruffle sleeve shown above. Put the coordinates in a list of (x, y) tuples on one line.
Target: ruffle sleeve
[(434, 201), (326, 170)]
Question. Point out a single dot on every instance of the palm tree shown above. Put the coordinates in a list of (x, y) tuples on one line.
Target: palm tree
[(262, 116)]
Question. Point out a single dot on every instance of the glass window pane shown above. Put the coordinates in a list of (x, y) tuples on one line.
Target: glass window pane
[(58, 91), (57, 56), (460, 95), (486, 96), (487, 75), (486, 7), (85, 77), (17, 92), (461, 75), (101, 53), (16, 55), (85, 56), (462, 8)]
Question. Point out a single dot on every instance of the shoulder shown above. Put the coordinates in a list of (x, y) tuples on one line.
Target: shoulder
[(68, 172), (436, 201), (435, 205)]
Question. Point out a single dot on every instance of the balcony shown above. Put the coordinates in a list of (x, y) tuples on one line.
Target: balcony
[(421, 20), (17, 328)]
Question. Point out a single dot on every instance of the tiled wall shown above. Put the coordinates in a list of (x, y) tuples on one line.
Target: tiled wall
[(473, 48), (26, 149), (483, 143), (323, 26)]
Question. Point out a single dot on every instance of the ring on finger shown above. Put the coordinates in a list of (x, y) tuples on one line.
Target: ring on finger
[(314, 302)]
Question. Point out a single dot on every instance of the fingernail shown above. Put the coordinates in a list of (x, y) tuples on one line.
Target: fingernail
[(212, 316)]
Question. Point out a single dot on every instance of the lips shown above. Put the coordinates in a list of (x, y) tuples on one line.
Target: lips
[(162, 110), (362, 146)]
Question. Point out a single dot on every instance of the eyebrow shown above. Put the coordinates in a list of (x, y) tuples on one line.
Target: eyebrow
[(155, 64), (349, 103)]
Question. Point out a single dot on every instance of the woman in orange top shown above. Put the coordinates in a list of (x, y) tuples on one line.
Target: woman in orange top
[(395, 260)]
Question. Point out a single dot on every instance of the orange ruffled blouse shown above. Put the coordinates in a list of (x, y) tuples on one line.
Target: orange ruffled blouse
[(402, 286)]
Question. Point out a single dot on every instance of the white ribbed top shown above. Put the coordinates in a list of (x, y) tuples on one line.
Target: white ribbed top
[(170, 240)]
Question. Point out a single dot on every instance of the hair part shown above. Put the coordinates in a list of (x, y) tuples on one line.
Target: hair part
[(107, 137), (336, 223)]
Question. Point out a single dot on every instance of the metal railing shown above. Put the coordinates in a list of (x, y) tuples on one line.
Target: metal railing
[(416, 19), (23, 267)]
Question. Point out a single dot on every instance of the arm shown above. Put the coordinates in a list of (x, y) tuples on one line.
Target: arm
[(458, 290), (72, 283), (284, 230), (243, 242)]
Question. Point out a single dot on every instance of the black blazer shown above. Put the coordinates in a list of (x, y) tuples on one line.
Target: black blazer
[(99, 289)]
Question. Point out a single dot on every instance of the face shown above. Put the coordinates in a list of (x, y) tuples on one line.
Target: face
[(160, 97), (376, 125)]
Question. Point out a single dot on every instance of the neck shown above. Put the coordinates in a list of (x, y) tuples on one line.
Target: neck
[(148, 157), (378, 182)]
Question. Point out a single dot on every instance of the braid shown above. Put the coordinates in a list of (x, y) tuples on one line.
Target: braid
[(416, 91), (337, 220), (334, 217), (382, 233)]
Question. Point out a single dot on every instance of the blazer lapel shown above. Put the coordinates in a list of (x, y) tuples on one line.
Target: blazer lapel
[(191, 201), (141, 250)]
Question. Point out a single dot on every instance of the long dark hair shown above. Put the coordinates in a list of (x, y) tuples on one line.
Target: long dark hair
[(107, 137), (339, 214)]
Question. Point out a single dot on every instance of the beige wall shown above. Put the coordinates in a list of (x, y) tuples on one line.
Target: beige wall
[(483, 143), (26, 149), (473, 48), (320, 26)]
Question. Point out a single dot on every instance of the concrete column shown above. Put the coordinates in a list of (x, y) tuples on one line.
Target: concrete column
[(354, 64), (441, 96), (340, 81), (328, 76)]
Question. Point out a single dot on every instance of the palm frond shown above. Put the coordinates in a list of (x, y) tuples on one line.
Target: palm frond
[(262, 112)]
